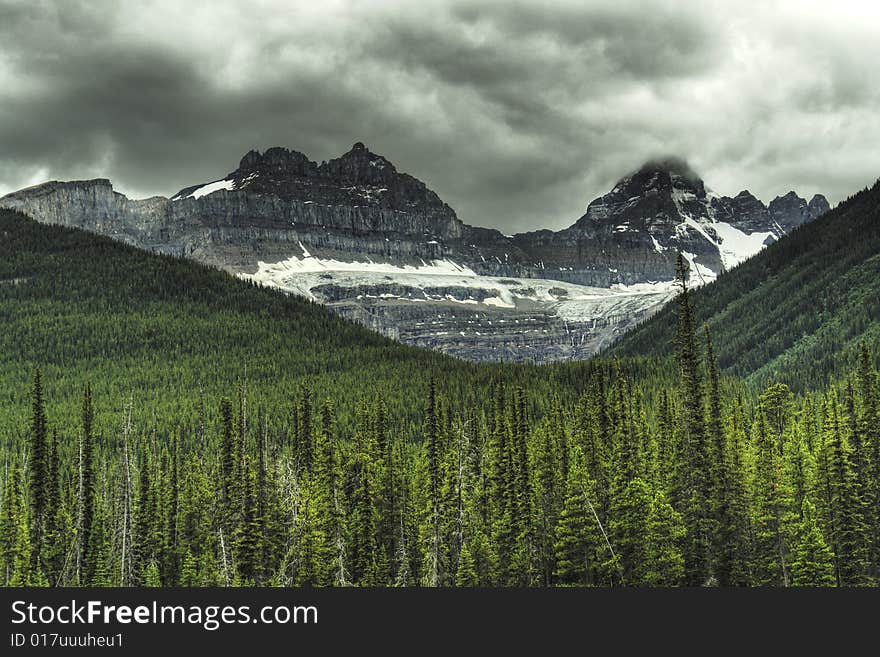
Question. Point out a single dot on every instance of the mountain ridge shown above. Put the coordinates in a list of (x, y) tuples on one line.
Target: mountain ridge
[(379, 246), (795, 312)]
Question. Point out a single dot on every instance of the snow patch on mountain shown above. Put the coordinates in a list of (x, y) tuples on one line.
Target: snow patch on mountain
[(736, 246), (699, 274), (273, 273), (210, 188), (446, 281)]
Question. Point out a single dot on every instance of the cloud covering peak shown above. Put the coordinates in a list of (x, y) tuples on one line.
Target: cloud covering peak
[(516, 113)]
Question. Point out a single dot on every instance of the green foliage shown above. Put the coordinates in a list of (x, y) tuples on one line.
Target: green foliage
[(394, 467), (813, 563), (797, 311)]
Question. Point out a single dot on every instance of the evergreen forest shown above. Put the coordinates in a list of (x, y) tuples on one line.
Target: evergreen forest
[(164, 424)]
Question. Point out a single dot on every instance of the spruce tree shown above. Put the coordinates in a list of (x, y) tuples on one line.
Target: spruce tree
[(14, 514), (227, 454), (628, 531), (692, 490), (304, 445), (722, 522), (86, 488), (100, 556), (664, 563), (842, 506), (23, 568), (868, 427), (435, 553), (813, 563), (54, 553), (736, 545), (249, 532), (331, 503), (38, 475), (772, 513), (579, 549)]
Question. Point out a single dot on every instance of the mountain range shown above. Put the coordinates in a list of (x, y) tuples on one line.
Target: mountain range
[(798, 312), (378, 246)]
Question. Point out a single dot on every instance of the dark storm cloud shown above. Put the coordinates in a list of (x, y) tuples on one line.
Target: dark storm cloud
[(516, 113)]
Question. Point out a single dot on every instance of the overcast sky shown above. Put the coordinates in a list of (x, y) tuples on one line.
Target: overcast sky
[(516, 113)]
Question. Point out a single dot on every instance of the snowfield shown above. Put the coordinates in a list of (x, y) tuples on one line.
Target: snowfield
[(431, 291), (736, 246), (571, 302), (210, 188)]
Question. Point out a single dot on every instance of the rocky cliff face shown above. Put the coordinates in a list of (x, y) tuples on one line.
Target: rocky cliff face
[(633, 233), (380, 247)]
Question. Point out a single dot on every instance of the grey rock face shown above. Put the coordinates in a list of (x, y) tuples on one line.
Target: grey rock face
[(791, 211), (279, 205)]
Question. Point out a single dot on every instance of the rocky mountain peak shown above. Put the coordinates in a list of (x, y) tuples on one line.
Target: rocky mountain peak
[(361, 166), (660, 192), (788, 211), (277, 162), (745, 196), (662, 177), (817, 206), (672, 166)]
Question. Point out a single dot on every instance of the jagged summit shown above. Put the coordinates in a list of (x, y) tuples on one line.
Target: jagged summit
[(382, 248), (356, 178), (659, 192), (281, 161), (670, 164)]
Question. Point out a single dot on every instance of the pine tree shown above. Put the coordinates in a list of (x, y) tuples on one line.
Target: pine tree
[(197, 523), (99, 555), (547, 499), (189, 571), (737, 544), (147, 520), (800, 465), (331, 503), (364, 549), (474, 554), (776, 402), (86, 489), (23, 569), (868, 428), (11, 519), (842, 507), (387, 497), (435, 561), (501, 479), (54, 552), (304, 442), (579, 548), (592, 434), (664, 564), (151, 576), (772, 514), (628, 530), (228, 455), (466, 575), (248, 533), (310, 548), (38, 479), (813, 563), (722, 522), (523, 571), (693, 483)]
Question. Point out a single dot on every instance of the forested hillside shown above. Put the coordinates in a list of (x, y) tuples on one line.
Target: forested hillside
[(173, 335), (797, 311), (249, 438)]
